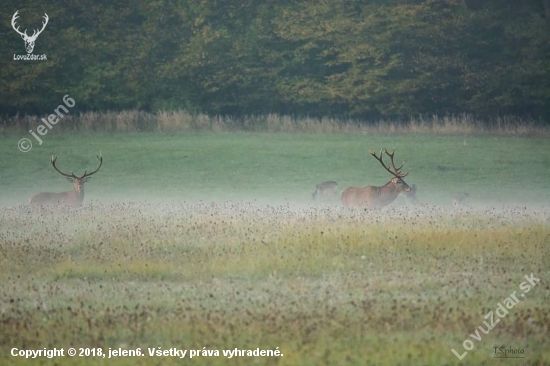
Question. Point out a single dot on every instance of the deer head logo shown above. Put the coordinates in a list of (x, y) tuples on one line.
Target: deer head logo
[(29, 40)]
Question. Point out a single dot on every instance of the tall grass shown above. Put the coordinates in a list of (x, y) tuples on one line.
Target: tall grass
[(176, 121)]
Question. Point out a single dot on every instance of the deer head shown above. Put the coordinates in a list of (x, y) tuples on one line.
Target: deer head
[(411, 195), (29, 40), (78, 181), (398, 182)]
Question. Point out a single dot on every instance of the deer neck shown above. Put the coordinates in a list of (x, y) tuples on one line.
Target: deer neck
[(78, 194), (387, 193)]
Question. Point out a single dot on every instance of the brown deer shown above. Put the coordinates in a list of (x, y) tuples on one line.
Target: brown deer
[(72, 198), (372, 196), (326, 191)]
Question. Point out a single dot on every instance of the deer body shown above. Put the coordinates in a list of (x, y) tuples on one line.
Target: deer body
[(325, 191), (371, 196), (377, 197), (71, 198)]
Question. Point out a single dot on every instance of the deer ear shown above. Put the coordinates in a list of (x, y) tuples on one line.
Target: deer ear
[(394, 180), (70, 179), (86, 179)]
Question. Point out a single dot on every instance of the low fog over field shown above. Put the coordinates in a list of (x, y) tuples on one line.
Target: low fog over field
[(277, 167)]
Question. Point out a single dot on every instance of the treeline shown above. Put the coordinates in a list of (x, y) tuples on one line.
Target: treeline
[(364, 59)]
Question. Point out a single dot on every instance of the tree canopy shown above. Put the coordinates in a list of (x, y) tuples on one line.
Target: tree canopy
[(356, 58)]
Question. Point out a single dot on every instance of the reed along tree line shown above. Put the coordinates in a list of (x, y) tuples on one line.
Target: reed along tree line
[(358, 59)]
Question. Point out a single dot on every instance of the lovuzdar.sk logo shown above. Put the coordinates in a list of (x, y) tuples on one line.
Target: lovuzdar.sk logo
[(29, 40)]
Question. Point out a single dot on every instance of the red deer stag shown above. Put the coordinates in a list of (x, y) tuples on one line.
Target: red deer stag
[(372, 196), (325, 192), (72, 198)]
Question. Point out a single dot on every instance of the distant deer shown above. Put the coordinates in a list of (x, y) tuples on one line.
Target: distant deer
[(325, 192), (372, 196), (72, 198), (460, 200)]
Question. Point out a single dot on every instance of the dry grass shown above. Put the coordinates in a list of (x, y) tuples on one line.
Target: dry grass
[(176, 121), (326, 285)]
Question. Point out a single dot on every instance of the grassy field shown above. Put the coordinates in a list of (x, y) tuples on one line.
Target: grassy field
[(256, 265), (276, 166)]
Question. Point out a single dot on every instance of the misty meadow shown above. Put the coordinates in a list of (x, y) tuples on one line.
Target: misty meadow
[(275, 183)]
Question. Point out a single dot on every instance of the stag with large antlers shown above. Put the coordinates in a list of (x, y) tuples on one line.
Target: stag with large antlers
[(372, 196), (72, 198), (29, 40)]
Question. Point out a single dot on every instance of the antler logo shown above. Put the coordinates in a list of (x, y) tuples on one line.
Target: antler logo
[(29, 40)]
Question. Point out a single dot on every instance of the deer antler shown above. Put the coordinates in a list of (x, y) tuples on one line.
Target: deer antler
[(24, 34), (53, 160), (397, 173), (397, 170), (86, 174), (43, 26), (13, 20)]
